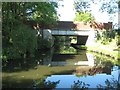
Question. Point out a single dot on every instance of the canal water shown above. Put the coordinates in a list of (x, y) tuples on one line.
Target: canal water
[(90, 70), (105, 73), (101, 80)]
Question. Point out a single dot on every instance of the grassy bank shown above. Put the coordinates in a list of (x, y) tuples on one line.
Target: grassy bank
[(110, 49)]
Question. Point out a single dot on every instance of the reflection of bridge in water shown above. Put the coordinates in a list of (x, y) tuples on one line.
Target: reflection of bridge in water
[(90, 61)]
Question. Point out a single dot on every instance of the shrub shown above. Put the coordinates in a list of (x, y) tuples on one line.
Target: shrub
[(43, 43), (23, 40), (105, 36)]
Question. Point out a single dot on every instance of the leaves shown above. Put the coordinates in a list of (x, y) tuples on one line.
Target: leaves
[(84, 16), (109, 6), (44, 13), (24, 39), (16, 35)]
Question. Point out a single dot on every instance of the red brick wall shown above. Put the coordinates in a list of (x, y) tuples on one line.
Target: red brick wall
[(82, 25), (72, 25), (108, 26), (93, 25)]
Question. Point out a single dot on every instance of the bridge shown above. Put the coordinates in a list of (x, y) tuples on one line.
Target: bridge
[(86, 37), (70, 32)]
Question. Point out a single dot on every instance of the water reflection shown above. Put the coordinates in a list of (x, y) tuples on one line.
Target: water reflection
[(50, 59), (45, 84), (24, 64), (101, 72), (90, 61), (81, 58), (79, 84), (102, 80)]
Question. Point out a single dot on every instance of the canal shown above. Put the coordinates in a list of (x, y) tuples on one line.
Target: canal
[(69, 68)]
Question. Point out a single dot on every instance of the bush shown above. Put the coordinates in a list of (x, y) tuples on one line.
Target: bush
[(10, 53), (23, 41), (43, 43), (117, 39), (59, 43), (105, 36)]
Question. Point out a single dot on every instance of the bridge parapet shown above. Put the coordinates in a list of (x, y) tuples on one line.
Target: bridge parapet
[(71, 32)]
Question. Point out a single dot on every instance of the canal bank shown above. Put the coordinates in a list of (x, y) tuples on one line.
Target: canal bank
[(110, 50)]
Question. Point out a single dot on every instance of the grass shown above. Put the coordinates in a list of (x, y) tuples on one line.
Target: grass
[(110, 49), (67, 50), (83, 47)]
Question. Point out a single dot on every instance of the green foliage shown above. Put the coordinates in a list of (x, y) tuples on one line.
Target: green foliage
[(59, 42), (43, 43), (60, 47), (83, 47), (19, 39), (105, 36), (117, 39), (109, 6), (24, 39), (81, 5), (68, 50), (119, 3), (44, 13), (84, 16), (10, 53)]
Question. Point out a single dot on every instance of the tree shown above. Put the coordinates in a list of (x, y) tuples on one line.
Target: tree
[(18, 38), (81, 6), (43, 13), (119, 4), (84, 16), (110, 6)]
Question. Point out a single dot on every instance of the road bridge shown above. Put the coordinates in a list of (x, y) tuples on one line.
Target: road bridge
[(86, 37)]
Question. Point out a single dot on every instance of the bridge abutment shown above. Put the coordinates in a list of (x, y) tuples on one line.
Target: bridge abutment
[(48, 36)]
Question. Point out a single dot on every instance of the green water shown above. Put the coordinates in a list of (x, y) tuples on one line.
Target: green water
[(24, 73)]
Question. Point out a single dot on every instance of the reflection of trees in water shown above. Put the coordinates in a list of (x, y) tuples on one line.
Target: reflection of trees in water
[(110, 85), (102, 60), (79, 85), (92, 70), (19, 65), (45, 84), (24, 64)]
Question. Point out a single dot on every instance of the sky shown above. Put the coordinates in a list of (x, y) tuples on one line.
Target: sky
[(67, 12)]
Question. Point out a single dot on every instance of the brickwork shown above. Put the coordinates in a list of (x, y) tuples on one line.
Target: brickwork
[(72, 25)]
